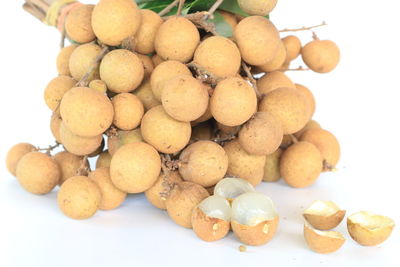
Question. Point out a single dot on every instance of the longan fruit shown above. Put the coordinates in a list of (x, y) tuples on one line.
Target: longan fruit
[(261, 135), (286, 141), (257, 39), (69, 165), (55, 124), (86, 112), (38, 173), (121, 70), (309, 96), (82, 59), (146, 33), (271, 167), (163, 132), (115, 20), (79, 197), (98, 85), (310, 125), (146, 96), (177, 39), (111, 197), (56, 89), (202, 131), (272, 81), (229, 18), (148, 65), (128, 111), (321, 56), (218, 55), (78, 24), (62, 62), (123, 138), (226, 131), (164, 72), (135, 167), (203, 163), (157, 60), (277, 61), (79, 145), (289, 106), (257, 7), (244, 165), (293, 47), (301, 164), (15, 154), (104, 160), (98, 150), (184, 98), (233, 102), (205, 117)]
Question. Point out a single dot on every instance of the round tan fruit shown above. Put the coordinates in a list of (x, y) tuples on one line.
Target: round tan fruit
[(146, 34), (56, 89), (324, 215), (321, 56), (78, 24), (309, 96), (104, 160), (146, 96), (62, 62), (128, 111), (122, 138), (15, 154), (98, 85), (148, 64), (323, 242), (310, 125), (293, 47), (157, 60), (81, 61), (277, 61), (271, 167), (286, 141), (69, 165), (272, 81), (257, 7), (55, 124)]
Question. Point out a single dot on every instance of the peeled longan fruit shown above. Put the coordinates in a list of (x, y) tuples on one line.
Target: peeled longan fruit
[(202, 131), (82, 59), (277, 61), (111, 197), (55, 124), (310, 125), (128, 111), (62, 62), (321, 56), (146, 96), (261, 135), (301, 164), (15, 154), (177, 39), (218, 55), (79, 145), (293, 47), (229, 18), (165, 72), (56, 89), (104, 160), (272, 81), (38, 173), (148, 65), (79, 197), (184, 98), (123, 138), (121, 70), (257, 7), (115, 20), (244, 165), (257, 39), (163, 132), (203, 163), (78, 24), (86, 112), (233, 102), (146, 34), (271, 167), (69, 165), (135, 167), (289, 106)]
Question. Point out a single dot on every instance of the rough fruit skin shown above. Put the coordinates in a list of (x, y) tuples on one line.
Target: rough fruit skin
[(104, 160), (321, 244), (78, 24), (301, 164), (69, 165), (128, 111), (148, 64), (79, 197), (233, 102), (56, 89), (81, 60), (257, 235), (86, 112), (204, 163), (15, 154), (135, 167), (115, 20), (146, 96), (62, 61), (114, 142), (277, 61), (271, 167), (257, 39), (293, 47), (321, 56), (272, 81), (310, 125), (177, 39), (257, 7), (218, 55), (163, 132), (146, 34), (38, 173), (207, 228), (309, 96), (322, 222)]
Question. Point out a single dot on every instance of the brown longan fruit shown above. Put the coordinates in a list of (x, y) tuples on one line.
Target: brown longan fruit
[(310, 125), (157, 60), (289, 106), (261, 135), (146, 34), (38, 173), (121, 70), (229, 18), (55, 124), (203, 163), (309, 96), (56, 89), (271, 167), (272, 81), (184, 98), (293, 47), (177, 39), (86, 112), (218, 55), (82, 59), (79, 145), (233, 102), (78, 24), (111, 197), (165, 72), (227, 131), (257, 7), (277, 61), (301, 164), (115, 20), (286, 141), (62, 62), (148, 65), (163, 132), (79, 197), (15, 154), (146, 96), (98, 150), (257, 39), (244, 165), (69, 165), (135, 167), (104, 160), (123, 138), (128, 111), (202, 131), (321, 56), (98, 85)]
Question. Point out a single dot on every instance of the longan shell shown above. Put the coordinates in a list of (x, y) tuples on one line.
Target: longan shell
[(309, 96), (271, 167), (257, 7), (177, 39), (78, 24), (257, 235), (257, 39), (233, 102), (293, 47), (79, 197), (38, 173), (244, 165), (272, 81), (301, 164), (56, 89), (128, 111), (86, 112), (146, 96), (277, 61), (321, 243), (55, 124), (163, 132), (148, 65), (62, 61), (114, 142), (321, 56), (104, 160), (146, 34), (135, 167), (310, 125), (79, 145), (15, 154), (289, 106), (322, 222), (81, 61), (69, 165), (115, 20), (207, 228)]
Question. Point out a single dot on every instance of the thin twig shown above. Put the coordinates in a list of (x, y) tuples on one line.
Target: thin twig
[(212, 9), (247, 70), (304, 28), (84, 81), (83, 169), (300, 68), (49, 148), (180, 7), (62, 42), (168, 8), (204, 75), (294, 139), (199, 19)]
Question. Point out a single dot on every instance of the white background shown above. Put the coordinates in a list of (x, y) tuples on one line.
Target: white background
[(358, 102)]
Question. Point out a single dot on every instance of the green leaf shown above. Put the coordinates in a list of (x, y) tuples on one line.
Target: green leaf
[(201, 5), (221, 26)]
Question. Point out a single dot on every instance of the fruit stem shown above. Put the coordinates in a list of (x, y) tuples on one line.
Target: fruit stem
[(212, 9), (180, 7), (84, 81), (168, 8), (49, 148), (204, 75), (294, 139), (329, 167), (247, 70), (304, 28), (84, 168)]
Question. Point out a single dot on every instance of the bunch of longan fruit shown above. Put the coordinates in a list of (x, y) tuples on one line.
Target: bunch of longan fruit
[(170, 110)]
